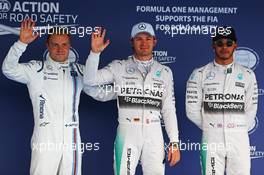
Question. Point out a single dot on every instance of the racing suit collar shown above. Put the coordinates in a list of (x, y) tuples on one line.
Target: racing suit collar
[(144, 62), (224, 68), (56, 64), (144, 66)]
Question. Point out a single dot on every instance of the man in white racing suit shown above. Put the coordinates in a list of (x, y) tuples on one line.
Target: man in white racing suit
[(221, 99), (54, 87), (145, 95)]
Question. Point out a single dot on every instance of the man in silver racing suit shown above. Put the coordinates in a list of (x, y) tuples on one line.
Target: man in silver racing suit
[(221, 99), (54, 87), (145, 95)]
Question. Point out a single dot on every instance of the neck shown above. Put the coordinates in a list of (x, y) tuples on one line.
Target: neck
[(143, 58), (224, 61)]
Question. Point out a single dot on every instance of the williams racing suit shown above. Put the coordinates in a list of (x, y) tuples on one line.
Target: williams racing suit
[(54, 89), (144, 98), (222, 101)]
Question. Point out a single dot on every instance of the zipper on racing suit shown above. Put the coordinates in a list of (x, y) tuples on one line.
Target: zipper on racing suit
[(227, 76), (63, 103), (143, 92)]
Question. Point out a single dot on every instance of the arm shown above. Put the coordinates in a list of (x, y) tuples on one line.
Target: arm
[(93, 76), (11, 68), (169, 116), (101, 93), (251, 100), (194, 97), (169, 111)]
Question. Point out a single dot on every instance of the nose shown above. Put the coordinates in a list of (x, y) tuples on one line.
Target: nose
[(144, 42), (60, 48)]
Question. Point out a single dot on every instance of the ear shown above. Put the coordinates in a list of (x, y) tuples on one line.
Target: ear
[(235, 45), (47, 45), (132, 42), (213, 46), (155, 42)]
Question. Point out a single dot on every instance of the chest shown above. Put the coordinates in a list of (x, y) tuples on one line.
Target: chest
[(131, 81), (221, 85)]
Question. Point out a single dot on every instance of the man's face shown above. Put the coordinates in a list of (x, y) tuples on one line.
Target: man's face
[(143, 45), (224, 48), (59, 46)]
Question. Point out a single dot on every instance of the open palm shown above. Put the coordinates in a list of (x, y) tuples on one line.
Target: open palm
[(97, 42), (27, 34)]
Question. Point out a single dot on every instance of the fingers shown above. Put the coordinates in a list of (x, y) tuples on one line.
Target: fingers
[(27, 24), (97, 33), (100, 33), (103, 33), (106, 43), (97, 40), (175, 156), (22, 26), (169, 155)]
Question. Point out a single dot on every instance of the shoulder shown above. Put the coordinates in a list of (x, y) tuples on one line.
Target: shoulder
[(247, 72), (163, 67), (200, 70), (244, 69), (35, 65), (120, 62)]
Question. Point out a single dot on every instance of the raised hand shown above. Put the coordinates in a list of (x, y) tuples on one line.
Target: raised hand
[(27, 34), (97, 42)]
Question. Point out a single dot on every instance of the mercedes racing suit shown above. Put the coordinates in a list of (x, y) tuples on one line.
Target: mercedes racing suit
[(54, 89), (143, 100), (222, 101)]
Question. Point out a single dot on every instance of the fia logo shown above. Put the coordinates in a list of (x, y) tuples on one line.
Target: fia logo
[(5, 6)]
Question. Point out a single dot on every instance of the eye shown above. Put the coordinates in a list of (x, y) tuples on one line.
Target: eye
[(54, 45)]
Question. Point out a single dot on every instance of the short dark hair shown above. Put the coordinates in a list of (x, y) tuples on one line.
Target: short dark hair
[(58, 30)]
